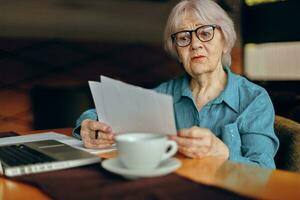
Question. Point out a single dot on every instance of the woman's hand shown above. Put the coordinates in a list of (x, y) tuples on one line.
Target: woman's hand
[(96, 134), (199, 142)]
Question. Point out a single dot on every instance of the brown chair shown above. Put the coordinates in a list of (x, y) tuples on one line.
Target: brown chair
[(288, 133)]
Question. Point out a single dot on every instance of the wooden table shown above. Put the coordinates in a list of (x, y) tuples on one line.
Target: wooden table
[(247, 180)]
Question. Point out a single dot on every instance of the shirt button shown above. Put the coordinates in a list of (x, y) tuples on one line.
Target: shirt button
[(231, 131)]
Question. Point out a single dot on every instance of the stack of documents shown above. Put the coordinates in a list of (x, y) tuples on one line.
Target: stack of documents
[(127, 108)]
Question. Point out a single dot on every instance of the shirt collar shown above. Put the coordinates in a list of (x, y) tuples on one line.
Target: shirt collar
[(183, 88), (229, 94)]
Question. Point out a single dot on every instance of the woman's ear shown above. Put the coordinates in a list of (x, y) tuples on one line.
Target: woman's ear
[(225, 49), (224, 44)]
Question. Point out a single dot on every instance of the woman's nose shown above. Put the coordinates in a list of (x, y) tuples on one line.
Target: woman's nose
[(196, 43)]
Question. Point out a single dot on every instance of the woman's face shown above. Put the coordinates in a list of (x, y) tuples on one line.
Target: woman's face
[(200, 57)]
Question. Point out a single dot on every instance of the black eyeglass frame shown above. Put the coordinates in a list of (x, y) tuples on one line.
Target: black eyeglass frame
[(214, 26)]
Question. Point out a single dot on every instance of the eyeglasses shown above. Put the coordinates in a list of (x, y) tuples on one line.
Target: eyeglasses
[(204, 33)]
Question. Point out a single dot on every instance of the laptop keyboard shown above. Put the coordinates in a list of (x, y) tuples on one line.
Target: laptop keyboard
[(15, 155)]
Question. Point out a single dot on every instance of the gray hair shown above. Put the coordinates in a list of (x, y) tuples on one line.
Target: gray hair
[(208, 12)]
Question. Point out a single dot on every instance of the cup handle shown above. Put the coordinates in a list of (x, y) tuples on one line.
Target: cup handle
[(173, 149)]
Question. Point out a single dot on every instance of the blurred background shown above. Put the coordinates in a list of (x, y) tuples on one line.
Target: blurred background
[(50, 49)]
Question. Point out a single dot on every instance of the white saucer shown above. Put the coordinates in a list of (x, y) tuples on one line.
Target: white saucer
[(114, 165)]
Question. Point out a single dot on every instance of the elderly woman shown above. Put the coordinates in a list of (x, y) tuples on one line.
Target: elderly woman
[(217, 112)]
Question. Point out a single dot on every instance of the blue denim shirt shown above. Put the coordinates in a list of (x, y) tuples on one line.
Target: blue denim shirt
[(242, 116)]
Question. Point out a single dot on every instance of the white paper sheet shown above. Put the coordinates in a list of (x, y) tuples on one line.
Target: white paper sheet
[(97, 97), (129, 108)]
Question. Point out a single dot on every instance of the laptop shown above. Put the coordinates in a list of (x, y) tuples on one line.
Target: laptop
[(41, 156)]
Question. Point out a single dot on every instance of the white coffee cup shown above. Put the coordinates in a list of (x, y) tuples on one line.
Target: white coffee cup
[(144, 150)]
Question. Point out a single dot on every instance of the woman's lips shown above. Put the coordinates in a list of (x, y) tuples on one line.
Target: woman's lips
[(198, 58)]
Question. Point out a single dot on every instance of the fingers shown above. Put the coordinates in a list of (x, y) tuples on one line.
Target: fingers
[(89, 143), (95, 126), (95, 130), (194, 132), (96, 134), (106, 136), (193, 142), (100, 135), (193, 148), (191, 152), (97, 143), (93, 134), (199, 142)]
